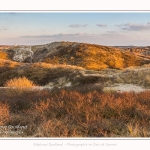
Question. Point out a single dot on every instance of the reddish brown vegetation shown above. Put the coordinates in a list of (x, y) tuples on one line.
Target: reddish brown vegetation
[(68, 113)]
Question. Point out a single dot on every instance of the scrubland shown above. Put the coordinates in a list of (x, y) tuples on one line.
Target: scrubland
[(82, 110), (59, 92), (74, 112)]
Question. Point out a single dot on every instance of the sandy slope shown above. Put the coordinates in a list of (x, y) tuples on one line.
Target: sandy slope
[(125, 88)]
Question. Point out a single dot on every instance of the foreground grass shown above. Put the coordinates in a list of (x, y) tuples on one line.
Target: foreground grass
[(70, 113)]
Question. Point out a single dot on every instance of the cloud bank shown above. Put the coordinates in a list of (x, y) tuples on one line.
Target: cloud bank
[(60, 35), (134, 26)]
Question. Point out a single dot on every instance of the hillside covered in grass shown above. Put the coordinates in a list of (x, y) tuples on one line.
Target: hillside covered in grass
[(62, 64), (88, 56)]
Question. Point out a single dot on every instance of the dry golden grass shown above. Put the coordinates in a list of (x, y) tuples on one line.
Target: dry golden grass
[(70, 113), (50, 66), (42, 65), (97, 58), (3, 55), (90, 56), (8, 63), (20, 83)]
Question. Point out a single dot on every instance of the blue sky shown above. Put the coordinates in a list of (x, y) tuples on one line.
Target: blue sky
[(109, 28)]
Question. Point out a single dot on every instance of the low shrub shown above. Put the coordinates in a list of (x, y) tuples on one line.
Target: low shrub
[(75, 113), (21, 82), (19, 85)]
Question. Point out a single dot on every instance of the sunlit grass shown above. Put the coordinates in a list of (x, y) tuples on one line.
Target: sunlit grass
[(20, 83), (8, 63)]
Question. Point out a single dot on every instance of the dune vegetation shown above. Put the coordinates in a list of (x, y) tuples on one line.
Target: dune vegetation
[(75, 113), (58, 90)]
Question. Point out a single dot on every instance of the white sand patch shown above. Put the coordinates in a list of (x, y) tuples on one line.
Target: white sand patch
[(68, 84), (125, 88), (51, 86)]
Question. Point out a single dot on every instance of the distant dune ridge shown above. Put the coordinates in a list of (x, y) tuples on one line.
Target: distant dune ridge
[(89, 56)]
